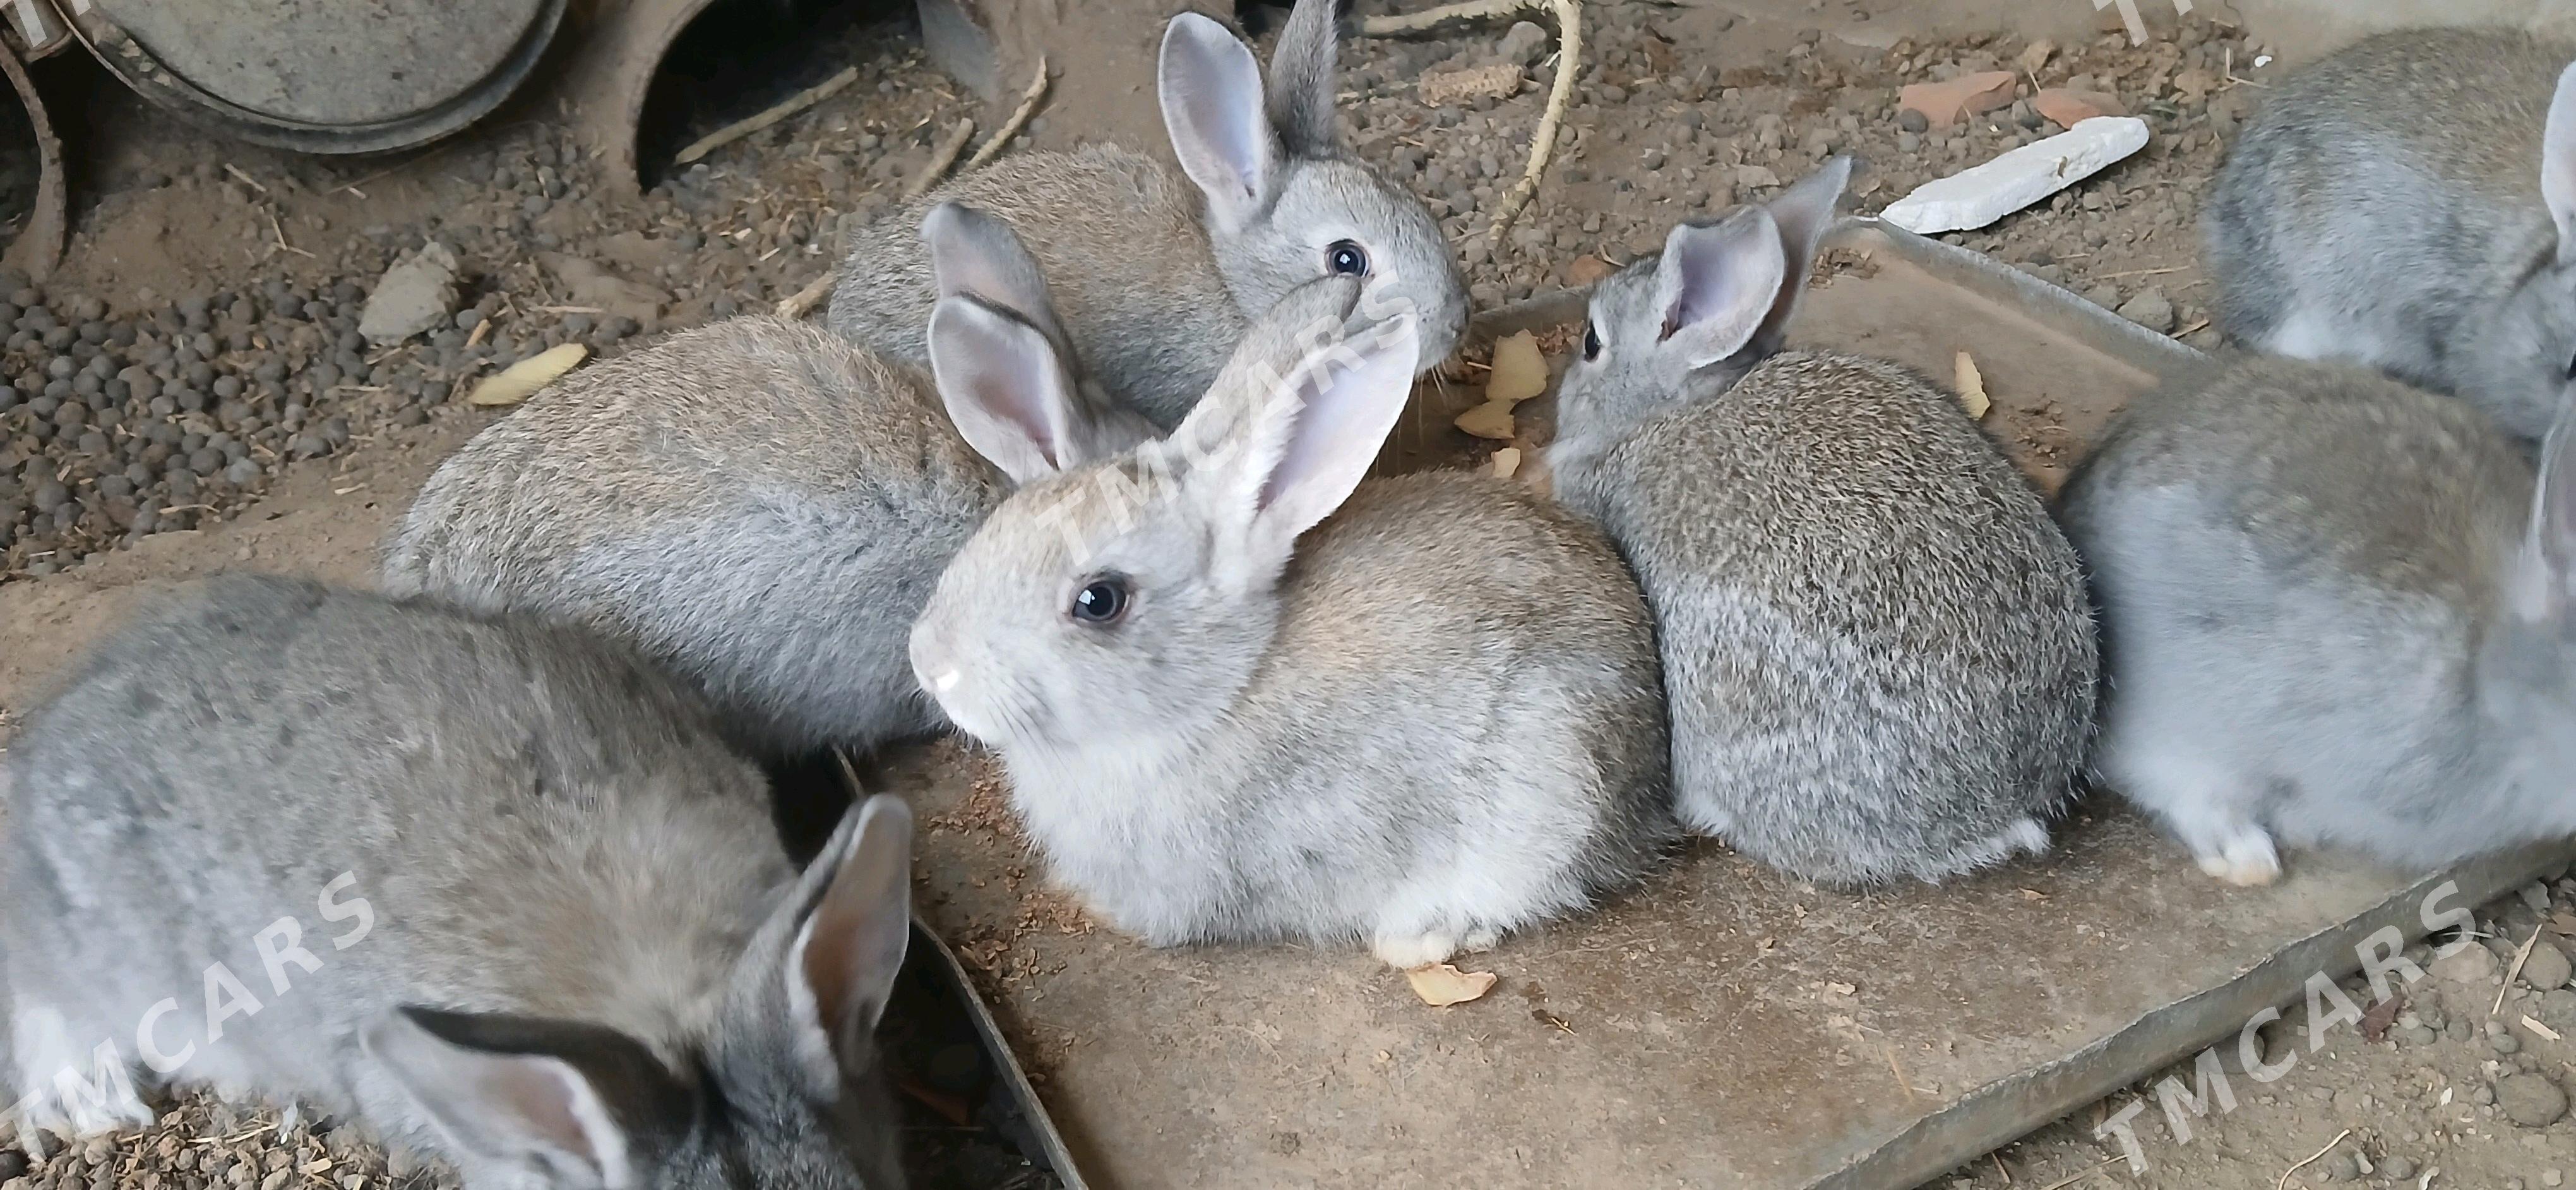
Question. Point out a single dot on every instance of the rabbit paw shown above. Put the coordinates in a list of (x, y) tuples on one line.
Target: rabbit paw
[(1406, 952), (2245, 858), (67, 1094), (1480, 940)]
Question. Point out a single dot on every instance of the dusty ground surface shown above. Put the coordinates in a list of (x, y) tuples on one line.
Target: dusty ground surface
[(212, 293)]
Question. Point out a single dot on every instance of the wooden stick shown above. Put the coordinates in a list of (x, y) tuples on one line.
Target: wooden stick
[(2320, 1156), (1019, 119), (2515, 972), (741, 128), (802, 302), (1432, 18), (2081, 1176), (940, 159)]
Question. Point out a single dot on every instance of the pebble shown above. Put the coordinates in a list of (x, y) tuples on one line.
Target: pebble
[(412, 297), (2150, 309), (2548, 968), (1525, 43), (2472, 966), (2532, 1101), (2396, 1167)]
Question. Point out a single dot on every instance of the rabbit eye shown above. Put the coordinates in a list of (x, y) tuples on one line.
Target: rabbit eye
[(1591, 343), (1347, 259), (1102, 602)]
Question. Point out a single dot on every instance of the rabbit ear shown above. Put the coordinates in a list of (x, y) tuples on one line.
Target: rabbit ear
[(2558, 164), (842, 967), (1006, 390), (974, 254), (1296, 446), (1803, 213), (1211, 92), (2553, 517), (584, 1104), (1716, 286), (1303, 69)]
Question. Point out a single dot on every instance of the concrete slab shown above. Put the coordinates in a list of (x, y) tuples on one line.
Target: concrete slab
[(1720, 1026)]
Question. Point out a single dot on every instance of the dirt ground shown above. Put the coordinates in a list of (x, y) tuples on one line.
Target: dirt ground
[(220, 285)]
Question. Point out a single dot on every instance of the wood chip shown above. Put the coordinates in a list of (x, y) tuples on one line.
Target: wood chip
[(1972, 389), (1491, 421), (1441, 985), (1507, 462), (521, 380), (1520, 372), (2541, 1029)]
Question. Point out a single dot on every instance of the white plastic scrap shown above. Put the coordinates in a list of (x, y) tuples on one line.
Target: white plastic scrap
[(1978, 196)]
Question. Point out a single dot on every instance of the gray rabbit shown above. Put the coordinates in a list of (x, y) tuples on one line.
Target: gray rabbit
[(1876, 644), (2339, 610), (759, 505), (491, 887), (1243, 694), (1157, 274), (2410, 203)]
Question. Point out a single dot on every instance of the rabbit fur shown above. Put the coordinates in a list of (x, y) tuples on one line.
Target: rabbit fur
[(757, 504), (1877, 645), (1364, 728), (2338, 613), (420, 863), (1157, 273), (2410, 203)]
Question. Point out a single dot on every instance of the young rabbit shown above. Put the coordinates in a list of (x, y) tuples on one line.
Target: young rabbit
[(2337, 613), (489, 886), (1157, 275), (1876, 644), (759, 505), (1433, 719), (2410, 203)]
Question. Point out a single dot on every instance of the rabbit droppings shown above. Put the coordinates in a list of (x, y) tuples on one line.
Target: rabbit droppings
[(1876, 644), (2336, 613), (759, 505), (508, 968), (1158, 275), (2410, 203), (1429, 719)]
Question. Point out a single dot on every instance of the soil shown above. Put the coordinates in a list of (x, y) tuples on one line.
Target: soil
[(195, 262)]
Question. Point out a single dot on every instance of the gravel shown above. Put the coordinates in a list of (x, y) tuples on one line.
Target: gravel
[(2531, 1100)]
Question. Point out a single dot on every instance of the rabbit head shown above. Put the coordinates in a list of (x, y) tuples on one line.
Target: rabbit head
[(1112, 602), (1693, 321), (2523, 361), (997, 349), (1286, 203), (783, 1096), (2532, 657)]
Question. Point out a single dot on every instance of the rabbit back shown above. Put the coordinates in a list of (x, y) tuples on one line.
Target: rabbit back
[(1455, 731), (435, 807), (2298, 566), (1118, 237), (2385, 206), (1877, 646), (755, 504)]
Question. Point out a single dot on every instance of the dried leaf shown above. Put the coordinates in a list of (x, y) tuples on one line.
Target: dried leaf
[(1441, 985), (1520, 372), (2375, 1022), (1491, 420), (1443, 88), (1507, 461), (521, 380), (1972, 389)]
